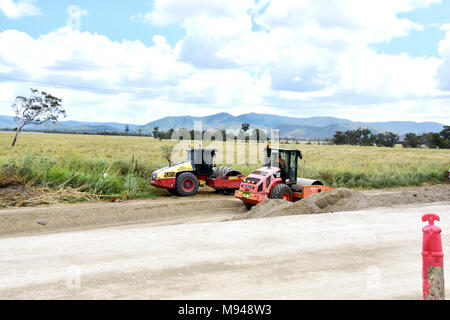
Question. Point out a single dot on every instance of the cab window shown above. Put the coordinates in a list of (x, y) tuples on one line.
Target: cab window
[(292, 167)]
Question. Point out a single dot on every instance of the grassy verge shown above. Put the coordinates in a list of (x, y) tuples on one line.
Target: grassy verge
[(115, 177)]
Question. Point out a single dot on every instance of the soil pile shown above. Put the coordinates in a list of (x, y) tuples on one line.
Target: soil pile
[(270, 208), (330, 201), (347, 200), (10, 187), (423, 195), (12, 191)]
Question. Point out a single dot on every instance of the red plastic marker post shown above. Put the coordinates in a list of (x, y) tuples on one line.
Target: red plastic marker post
[(433, 260)]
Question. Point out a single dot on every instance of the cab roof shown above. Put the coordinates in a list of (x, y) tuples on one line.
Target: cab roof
[(198, 149), (284, 149)]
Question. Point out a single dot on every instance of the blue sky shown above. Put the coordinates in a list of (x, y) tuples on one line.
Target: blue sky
[(424, 42), (109, 17), (113, 19), (137, 61)]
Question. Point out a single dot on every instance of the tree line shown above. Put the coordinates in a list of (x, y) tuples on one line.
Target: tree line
[(432, 140), (365, 137)]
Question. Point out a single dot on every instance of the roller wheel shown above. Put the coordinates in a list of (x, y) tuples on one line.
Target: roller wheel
[(172, 192), (224, 172), (281, 191), (187, 184), (230, 172), (249, 206)]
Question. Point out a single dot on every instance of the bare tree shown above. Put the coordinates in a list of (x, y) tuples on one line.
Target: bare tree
[(39, 108)]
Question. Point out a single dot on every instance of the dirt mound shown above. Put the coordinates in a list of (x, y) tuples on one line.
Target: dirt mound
[(11, 187), (424, 195), (330, 201), (347, 200), (270, 208)]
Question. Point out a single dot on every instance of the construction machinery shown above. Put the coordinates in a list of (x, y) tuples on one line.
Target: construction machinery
[(184, 179), (277, 179)]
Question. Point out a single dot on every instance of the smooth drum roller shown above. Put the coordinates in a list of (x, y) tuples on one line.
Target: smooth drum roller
[(305, 182)]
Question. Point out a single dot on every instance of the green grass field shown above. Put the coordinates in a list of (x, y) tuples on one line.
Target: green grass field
[(81, 161)]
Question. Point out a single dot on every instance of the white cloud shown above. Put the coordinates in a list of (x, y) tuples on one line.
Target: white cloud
[(17, 9), (208, 41), (444, 72), (170, 11), (402, 110), (367, 73), (302, 58), (308, 59), (345, 20), (119, 81), (92, 63)]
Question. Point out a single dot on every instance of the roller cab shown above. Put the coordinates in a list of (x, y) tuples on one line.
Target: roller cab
[(185, 179), (278, 179)]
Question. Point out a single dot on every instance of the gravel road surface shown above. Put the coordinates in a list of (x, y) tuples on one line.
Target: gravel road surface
[(369, 254)]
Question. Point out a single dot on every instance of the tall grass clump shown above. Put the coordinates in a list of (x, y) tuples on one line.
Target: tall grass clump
[(86, 175)]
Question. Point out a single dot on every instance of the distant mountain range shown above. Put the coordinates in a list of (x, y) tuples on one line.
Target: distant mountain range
[(7, 122), (306, 128)]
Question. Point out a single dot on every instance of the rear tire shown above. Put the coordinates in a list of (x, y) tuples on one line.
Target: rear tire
[(187, 184), (281, 191)]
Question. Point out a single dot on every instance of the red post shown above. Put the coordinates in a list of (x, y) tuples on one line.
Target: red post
[(433, 260)]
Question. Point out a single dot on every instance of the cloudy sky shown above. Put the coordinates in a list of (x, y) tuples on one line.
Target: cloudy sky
[(137, 61)]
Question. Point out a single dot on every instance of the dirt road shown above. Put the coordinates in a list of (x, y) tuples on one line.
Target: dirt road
[(205, 207), (40, 220), (370, 254)]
